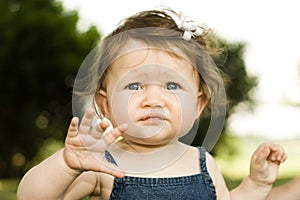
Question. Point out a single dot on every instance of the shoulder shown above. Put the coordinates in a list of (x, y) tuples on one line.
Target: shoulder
[(217, 177), (212, 167)]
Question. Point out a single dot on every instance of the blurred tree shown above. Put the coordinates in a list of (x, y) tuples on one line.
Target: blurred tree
[(238, 85), (41, 50)]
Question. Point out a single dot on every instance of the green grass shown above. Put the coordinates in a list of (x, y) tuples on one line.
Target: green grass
[(8, 188)]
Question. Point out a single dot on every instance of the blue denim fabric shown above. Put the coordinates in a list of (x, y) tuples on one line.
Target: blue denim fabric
[(198, 186)]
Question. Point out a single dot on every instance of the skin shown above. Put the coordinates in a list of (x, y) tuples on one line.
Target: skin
[(289, 190), (151, 97), (80, 169)]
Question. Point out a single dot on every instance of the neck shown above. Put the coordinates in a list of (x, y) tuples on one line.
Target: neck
[(136, 159), (135, 147)]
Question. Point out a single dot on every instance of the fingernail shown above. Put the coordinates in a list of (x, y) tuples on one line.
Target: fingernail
[(279, 158), (75, 120)]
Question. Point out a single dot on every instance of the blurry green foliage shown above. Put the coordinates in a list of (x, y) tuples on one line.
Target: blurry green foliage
[(238, 85), (40, 52), (48, 147)]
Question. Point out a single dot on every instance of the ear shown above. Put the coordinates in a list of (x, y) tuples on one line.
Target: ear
[(202, 102), (102, 102)]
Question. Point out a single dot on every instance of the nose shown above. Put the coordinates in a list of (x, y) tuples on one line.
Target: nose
[(153, 96)]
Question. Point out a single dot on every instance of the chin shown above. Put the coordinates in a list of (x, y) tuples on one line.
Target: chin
[(159, 139)]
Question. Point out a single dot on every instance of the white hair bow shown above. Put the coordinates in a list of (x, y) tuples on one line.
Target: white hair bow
[(190, 28)]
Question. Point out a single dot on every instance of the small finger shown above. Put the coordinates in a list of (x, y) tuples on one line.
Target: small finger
[(273, 147), (112, 169), (99, 129), (96, 131), (73, 127), (86, 122), (281, 157), (104, 125), (111, 136), (278, 154), (117, 173)]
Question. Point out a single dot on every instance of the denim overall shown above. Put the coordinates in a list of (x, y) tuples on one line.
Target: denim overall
[(198, 186)]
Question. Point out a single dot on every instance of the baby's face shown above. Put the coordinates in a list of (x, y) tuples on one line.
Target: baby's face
[(155, 93)]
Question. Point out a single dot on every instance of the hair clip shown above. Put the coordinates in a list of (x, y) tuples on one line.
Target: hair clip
[(191, 28)]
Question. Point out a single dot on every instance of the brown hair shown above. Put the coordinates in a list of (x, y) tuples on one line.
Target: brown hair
[(159, 30)]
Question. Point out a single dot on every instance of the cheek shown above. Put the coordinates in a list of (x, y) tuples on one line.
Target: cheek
[(182, 108), (125, 108), (120, 107), (187, 104)]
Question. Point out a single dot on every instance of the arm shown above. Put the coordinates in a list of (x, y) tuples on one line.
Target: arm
[(263, 172), (84, 151), (290, 191), (86, 184), (50, 179), (264, 167), (218, 179)]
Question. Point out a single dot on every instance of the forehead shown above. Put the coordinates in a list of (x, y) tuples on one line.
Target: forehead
[(137, 54)]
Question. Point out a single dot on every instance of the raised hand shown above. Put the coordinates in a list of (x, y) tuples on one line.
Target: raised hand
[(265, 163), (85, 145)]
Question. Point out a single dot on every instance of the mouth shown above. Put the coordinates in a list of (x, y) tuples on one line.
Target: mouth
[(153, 118)]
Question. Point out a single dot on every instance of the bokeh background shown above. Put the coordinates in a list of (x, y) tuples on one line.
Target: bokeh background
[(43, 43)]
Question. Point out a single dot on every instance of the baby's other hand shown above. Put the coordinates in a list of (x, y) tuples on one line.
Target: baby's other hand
[(265, 163), (85, 145)]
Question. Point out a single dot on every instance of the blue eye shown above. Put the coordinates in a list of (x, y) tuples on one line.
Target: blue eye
[(172, 86), (133, 86)]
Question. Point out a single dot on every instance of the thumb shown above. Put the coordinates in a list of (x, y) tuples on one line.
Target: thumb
[(260, 156)]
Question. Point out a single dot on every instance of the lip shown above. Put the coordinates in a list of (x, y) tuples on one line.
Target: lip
[(153, 118)]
